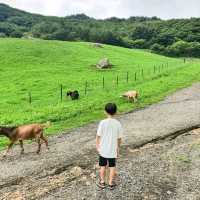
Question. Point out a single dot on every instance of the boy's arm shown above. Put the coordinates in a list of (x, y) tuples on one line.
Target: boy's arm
[(98, 137), (97, 142), (119, 141)]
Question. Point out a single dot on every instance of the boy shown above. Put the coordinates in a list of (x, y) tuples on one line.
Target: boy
[(108, 141)]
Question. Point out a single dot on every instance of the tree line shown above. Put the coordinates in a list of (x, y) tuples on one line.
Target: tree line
[(175, 37)]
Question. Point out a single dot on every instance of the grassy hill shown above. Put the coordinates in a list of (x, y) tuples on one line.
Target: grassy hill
[(173, 37), (40, 67)]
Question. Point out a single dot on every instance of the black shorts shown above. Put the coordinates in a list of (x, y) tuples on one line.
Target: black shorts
[(104, 161)]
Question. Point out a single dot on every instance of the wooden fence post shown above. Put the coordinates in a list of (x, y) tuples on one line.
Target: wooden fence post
[(117, 80), (135, 76), (61, 92), (142, 73), (127, 77), (86, 85), (103, 82), (29, 97)]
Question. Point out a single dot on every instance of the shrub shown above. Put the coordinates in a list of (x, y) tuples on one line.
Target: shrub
[(140, 44)]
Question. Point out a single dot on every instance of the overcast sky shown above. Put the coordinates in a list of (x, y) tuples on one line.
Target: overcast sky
[(107, 8)]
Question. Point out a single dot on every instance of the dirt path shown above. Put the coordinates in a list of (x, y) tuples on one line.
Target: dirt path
[(54, 174)]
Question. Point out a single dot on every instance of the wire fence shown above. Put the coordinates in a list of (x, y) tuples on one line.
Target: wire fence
[(51, 102), (121, 79), (115, 80)]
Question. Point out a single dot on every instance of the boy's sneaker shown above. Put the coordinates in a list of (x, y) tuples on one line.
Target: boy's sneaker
[(101, 185), (112, 187)]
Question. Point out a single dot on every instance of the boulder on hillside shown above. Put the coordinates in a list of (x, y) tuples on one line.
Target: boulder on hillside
[(97, 45), (104, 64)]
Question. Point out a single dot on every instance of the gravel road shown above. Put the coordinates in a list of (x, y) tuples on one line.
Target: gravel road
[(160, 158)]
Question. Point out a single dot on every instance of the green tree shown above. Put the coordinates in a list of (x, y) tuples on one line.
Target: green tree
[(165, 39), (16, 34), (143, 32), (45, 28), (158, 48), (180, 48), (139, 44), (2, 35), (6, 28)]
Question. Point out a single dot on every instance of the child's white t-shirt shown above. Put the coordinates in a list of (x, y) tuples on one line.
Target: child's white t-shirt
[(109, 130)]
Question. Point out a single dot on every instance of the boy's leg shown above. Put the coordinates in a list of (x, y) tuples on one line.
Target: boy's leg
[(112, 166), (102, 174), (112, 175)]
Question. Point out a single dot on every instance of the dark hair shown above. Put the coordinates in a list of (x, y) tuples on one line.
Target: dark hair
[(111, 108)]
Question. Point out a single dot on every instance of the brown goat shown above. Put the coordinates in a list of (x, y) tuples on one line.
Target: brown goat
[(25, 132), (131, 95)]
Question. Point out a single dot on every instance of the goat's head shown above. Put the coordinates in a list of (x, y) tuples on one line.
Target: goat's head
[(6, 131), (2, 130), (69, 93)]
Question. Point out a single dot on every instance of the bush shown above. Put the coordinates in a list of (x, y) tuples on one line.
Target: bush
[(2, 35), (182, 48), (157, 48), (16, 34), (165, 39), (139, 44), (194, 49), (143, 32), (127, 42), (6, 28)]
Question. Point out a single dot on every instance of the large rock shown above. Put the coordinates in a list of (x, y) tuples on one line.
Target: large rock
[(96, 45), (104, 64)]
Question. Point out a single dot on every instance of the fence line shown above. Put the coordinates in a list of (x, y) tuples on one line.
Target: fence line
[(138, 76)]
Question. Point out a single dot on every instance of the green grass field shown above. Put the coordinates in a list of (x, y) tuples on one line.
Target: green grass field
[(40, 67)]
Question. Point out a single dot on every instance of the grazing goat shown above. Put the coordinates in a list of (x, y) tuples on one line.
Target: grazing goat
[(74, 95), (25, 132), (131, 95)]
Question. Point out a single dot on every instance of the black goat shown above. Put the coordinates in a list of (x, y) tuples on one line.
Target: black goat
[(74, 95)]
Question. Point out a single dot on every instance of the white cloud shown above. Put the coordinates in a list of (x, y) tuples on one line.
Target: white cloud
[(108, 8)]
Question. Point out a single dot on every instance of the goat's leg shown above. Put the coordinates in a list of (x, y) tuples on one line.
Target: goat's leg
[(45, 141), (8, 149), (135, 99), (39, 146), (22, 147), (130, 99)]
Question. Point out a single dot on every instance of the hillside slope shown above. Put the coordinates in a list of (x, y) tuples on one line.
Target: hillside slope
[(38, 68), (176, 37)]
